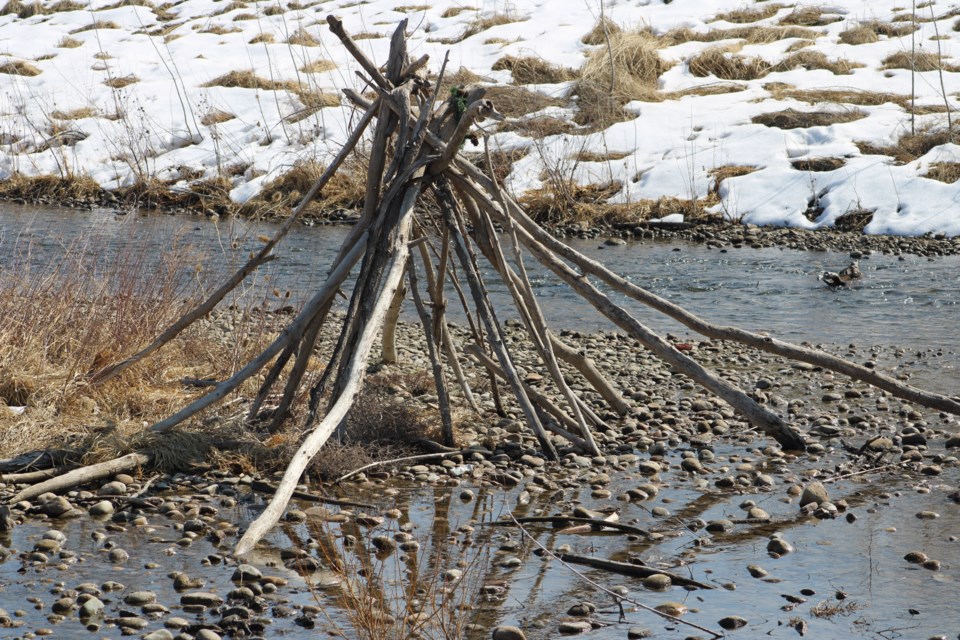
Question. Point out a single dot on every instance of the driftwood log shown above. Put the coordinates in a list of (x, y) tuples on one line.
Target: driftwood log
[(414, 160)]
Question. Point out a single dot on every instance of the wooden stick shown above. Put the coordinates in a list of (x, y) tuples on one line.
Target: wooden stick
[(380, 463), (83, 475), (595, 523), (262, 257), (354, 379), (443, 397), (389, 338), (31, 477), (627, 569), (293, 331)]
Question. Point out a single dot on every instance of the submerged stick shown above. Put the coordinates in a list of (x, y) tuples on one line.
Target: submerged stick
[(84, 475)]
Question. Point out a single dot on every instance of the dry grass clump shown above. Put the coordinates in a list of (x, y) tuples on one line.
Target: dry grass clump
[(412, 8), (22, 10), (910, 147), (604, 29), (628, 69), (818, 164), (320, 65), (96, 25), (63, 319), (793, 119), (503, 161), (313, 100), (73, 114), (221, 29), (745, 16), (754, 34), (245, 79), (481, 24), (344, 191), (121, 81), (810, 17), (539, 126), (303, 38), (811, 60), (514, 102), (919, 61), (533, 70), (19, 68), (948, 172), (721, 173), (720, 63), (868, 32), (782, 91), (67, 42), (216, 116), (453, 12), (563, 201), (265, 38)]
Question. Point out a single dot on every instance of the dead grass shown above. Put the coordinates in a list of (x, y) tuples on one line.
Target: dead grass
[(810, 17), (868, 32), (303, 38), (610, 156), (753, 34), (792, 119), (565, 203), (265, 38), (745, 16), (73, 114), (19, 68), (948, 172), (781, 91), (721, 173), (503, 162), (921, 61), (453, 12), (221, 29), (514, 102), (216, 116), (345, 191), (539, 127), (320, 65), (67, 42), (483, 23), (602, 30), (818, 164), (629, 69), (120, 82), (910, 147), (533, 70), (245, 79), (720, 63), (709, 89), (63, 320), (97, 25), (412, 8)]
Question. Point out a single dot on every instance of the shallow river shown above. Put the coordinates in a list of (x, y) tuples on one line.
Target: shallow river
[(910, 302)]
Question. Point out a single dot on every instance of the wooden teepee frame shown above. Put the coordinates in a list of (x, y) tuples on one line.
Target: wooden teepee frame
[(415, 151)]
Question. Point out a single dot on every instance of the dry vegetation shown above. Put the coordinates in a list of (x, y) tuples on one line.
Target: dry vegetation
[(483, 23), (721, 63), (745, 16), (97, 25), (792, 119), (514, 102), (601, 32), (910, 147), (69, 43), (19, 68), (263, 38), (216, 116), (73, 114), (320, 65), (919, 61), (948, 172), (754, 34), (869, 32), (63, 320), (807, 16), (120, 82), (532, 70), (818, 164), (345, 190), (303, 38), (628, 69)]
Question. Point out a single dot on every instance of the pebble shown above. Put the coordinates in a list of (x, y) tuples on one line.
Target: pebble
[(657, 582), (573, 627), (732, 622), (814, 493), (506, 632), (674, 609)]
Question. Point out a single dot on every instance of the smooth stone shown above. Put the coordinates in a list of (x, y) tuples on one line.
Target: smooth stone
[(814, 493), (159, 634), (140, 598), (779, 546), (757, 571), (201, 598), (732, 622), (102, 508), (91, 607), (246, 573), (573, 627), (507, 632), (657, 582), (674, 609)]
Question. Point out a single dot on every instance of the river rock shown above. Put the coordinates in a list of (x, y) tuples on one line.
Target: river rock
[(779, 546), (201, 599), (92, 607), (814, 493), (732, 622), (573, 627), (506, 632), (140, 598), (102, 508), (114, 488), (657, 582), (638, 633), (246, 573), (56, 507), (159, 634), (916, 557), (674, 609)]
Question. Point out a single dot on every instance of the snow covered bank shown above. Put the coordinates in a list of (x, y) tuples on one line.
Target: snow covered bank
[(805, 108)]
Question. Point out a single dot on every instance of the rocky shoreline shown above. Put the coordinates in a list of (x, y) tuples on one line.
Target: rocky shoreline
[(675, 442)]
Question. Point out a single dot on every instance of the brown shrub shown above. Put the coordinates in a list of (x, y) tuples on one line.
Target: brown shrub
[(792, 119), (514, 102), (815, 60), (69, 43), (303, 38), (97, 24), (319, 65), (216, 116), (909, 146), (861, 34), (920, 61)]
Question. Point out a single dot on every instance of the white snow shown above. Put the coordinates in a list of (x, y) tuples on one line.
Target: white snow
[(154, 127)]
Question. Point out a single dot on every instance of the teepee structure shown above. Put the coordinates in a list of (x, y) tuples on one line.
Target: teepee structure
[(431, 218)]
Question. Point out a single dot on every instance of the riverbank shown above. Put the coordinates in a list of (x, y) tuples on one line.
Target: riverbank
[(699, 493)]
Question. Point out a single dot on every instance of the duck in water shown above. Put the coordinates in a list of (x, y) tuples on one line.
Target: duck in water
[(849, 276)]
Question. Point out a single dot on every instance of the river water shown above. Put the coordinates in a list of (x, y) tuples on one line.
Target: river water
[(906, 302)]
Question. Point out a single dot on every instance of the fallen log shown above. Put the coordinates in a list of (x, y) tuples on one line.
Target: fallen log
[(627, 569), (83, 475)]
